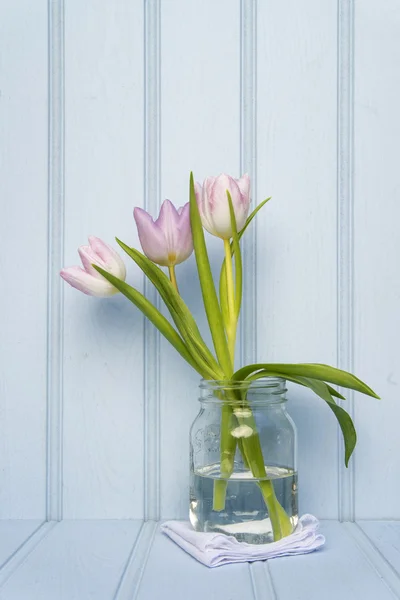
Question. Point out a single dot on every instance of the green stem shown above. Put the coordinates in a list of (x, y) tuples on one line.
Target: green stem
[(228, 443), (280, 521), (227, 457), (229, 281), (242, 452), (252, 455), (172, 277)]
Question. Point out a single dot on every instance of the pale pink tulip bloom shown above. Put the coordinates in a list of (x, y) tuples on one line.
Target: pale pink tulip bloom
[(214, 207), (168, 240), (88, 280)]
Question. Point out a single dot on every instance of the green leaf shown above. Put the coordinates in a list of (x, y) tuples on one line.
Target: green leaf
[(210, 298), (334, 392), (180, 313), (154, 315), (322, 390), (252, 215), (222, 277), (315, 371), (238, 258)]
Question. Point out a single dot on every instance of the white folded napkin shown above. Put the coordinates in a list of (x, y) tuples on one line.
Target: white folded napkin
[(216, 549)]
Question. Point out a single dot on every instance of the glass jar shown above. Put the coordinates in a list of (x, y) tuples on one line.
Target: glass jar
[(243, 461)]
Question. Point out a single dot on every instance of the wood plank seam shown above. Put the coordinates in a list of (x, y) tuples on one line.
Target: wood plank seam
[(152, 200), (380, 564), (19, 556), (248, 163), (55, 260), (345, 252), (131, 577), (261, 581)]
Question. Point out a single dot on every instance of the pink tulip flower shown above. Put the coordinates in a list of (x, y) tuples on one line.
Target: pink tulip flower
[(88, 280), (214, 207), (168, 240)]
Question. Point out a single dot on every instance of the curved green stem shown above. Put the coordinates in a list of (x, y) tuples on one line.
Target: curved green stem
[(172, 277)]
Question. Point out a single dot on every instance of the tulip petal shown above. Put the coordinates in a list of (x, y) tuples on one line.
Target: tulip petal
[(204, 205), (88, 258), (244, 186), (185, 247), (112, 260), (151, 237), (86, 283), (168, 222), (220, 207)]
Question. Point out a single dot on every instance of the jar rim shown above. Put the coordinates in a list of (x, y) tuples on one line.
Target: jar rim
[(276, 383), (266, 390)]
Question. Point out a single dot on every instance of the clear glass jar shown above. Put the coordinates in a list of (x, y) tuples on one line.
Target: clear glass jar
[(243, 461)]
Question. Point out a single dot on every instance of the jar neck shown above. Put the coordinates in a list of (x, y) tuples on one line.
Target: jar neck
[(265, 391)]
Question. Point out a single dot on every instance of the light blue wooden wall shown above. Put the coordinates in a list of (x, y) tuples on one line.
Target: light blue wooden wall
[(109, 105)]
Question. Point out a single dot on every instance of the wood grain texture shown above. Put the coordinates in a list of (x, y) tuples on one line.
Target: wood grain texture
[(296, 242), (23, 258), (200, 130), (77, 560), (13, 534), (377, 251), (103, 352)]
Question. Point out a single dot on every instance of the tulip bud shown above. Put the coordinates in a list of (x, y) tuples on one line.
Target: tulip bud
[(168, 240), (214, 206), (88, 280)]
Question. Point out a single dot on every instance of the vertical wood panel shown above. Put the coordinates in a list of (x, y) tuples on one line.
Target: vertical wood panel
[(23, 258), (55, 332), (248, 164), (103, 381), (345, 236), (296, 244), (377, 252), (152, 200), (200, 91)]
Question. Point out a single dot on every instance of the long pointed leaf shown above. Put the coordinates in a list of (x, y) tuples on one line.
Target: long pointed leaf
[(323, 391), (238, 259), (315, 371), (180, 313), (252, 215), (154, 315), (210, 298), (222, 278)]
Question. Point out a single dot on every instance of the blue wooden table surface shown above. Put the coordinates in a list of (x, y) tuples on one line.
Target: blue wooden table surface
[(126, 560)]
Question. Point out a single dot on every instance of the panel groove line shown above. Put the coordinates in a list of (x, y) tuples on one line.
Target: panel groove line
[(261, 581), (55, 260), (152, 171), (380, 564), (248, 163), (131, 578), (345, 267), (21, 554)]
